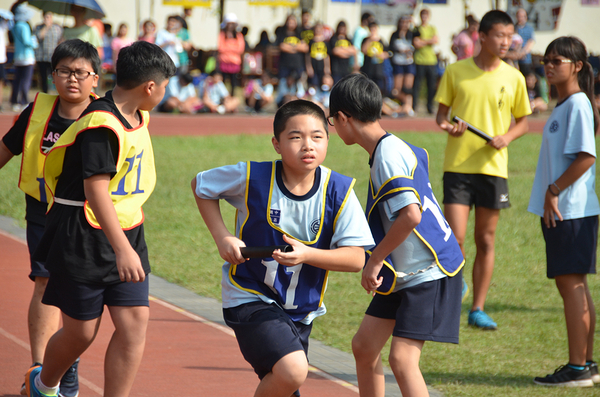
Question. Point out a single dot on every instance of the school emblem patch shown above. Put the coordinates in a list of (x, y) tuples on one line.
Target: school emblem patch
[(554, 126), (275, 216), (314, 226)]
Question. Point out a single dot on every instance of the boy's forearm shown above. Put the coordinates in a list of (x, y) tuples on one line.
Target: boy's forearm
[(96, 193), (5, 154), (211, 214), (342, 259), (518, 130), (408, 218)]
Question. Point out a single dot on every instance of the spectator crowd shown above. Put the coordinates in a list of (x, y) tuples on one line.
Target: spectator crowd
[(303, 61)]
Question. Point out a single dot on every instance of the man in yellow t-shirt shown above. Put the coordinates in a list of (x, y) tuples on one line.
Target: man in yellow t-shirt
[(484, 91), (424, 38)]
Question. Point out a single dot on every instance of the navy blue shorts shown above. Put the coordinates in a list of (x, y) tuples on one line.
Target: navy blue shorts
[(404, 69), (34, 234), (476, 190), (265, 334), (2, 71), (429, 311), (571, 246), (86, 301)]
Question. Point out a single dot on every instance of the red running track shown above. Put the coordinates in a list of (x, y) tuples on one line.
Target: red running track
[(185, 355)]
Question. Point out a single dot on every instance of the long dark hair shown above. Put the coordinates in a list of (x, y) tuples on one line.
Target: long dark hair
[(572, 48)]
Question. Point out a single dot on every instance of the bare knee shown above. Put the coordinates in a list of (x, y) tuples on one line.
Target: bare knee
[(485, 242), (363, 350), (291, 370)]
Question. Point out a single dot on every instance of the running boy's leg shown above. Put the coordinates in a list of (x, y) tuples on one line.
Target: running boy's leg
[(572, 288), (486, 221), (370, 338), (43, 321), (404, 360), (126, 348), (287, 375), (66, 346)]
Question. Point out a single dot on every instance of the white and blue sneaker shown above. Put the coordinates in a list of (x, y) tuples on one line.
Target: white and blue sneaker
[(30, 389)]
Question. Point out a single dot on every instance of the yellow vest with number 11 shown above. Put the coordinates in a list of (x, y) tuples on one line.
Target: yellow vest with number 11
[(135, 178)]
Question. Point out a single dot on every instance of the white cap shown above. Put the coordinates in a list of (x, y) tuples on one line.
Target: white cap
[(230, 17)]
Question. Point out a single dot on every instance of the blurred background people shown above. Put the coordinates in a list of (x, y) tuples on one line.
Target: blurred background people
[(403, 65), (48, 35), (24, 57), (231, 47)]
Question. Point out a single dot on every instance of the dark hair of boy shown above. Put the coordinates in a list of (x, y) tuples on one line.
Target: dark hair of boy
[(365, 16), (186, 78), (492, 18), (76, 49), (373, 23), (357, 96), (573, 49), (142, 62), (298, 107)]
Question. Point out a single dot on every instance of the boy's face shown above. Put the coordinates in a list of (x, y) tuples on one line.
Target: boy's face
[(302, 145), (498, 40), (72, 89)]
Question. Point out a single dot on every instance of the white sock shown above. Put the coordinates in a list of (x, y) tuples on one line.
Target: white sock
[(51, 391)]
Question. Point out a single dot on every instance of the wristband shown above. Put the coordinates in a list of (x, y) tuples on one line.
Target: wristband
[(550, 189)]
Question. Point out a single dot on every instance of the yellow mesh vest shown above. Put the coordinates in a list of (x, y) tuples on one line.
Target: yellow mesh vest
[(135, 178), (31, 179)]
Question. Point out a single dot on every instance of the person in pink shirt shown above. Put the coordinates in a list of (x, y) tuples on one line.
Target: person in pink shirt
[(119, 41), (148, 31), (465, 44), (231, 47)]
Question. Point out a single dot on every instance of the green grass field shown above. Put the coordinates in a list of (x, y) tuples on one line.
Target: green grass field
[(530, 341)]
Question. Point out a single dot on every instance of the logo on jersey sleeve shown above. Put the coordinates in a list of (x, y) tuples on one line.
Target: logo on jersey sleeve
[(275, 216)]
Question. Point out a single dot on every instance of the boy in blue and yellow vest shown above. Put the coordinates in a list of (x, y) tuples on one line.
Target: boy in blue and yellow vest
[(75, 66), (415, 268), (270, 302), (99, 173)]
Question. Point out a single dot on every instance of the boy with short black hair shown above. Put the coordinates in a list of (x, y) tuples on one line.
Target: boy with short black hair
[(485, 92), (99, 174), (415, 268), (75, 65), (270, 302)]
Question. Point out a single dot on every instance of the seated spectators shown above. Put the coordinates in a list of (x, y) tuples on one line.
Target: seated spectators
[(258, 93), (290, 89), (536, 100), (180, 96), (320, 94), (216, 97)]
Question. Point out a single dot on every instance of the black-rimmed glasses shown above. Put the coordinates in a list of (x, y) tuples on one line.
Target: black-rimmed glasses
[(79, 74)]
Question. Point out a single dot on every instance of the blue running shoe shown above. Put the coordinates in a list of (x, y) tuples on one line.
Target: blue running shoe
[(465, 291), (69, 384), (478, 318), (30, 389)]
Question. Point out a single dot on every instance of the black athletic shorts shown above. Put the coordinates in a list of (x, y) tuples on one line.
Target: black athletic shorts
[(34, 234), (476, 190), (86, 301), (571, 246), (429, 311), (265, 334)]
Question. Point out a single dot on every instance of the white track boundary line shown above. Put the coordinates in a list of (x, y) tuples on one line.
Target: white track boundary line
[(230, 332), (25, 345)]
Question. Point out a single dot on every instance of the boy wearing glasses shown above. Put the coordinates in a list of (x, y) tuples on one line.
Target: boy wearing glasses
[(414, 271), (99, 174), (75, 65), (485, 92)]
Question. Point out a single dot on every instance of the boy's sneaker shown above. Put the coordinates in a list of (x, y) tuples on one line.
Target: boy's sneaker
[(567, 376), (593, 366), (30, 389), (69, 384), (465, 291), (478, 318)]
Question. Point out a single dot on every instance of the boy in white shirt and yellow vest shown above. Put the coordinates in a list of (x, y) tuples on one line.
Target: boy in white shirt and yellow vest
[(75, 67), (99, 174)]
